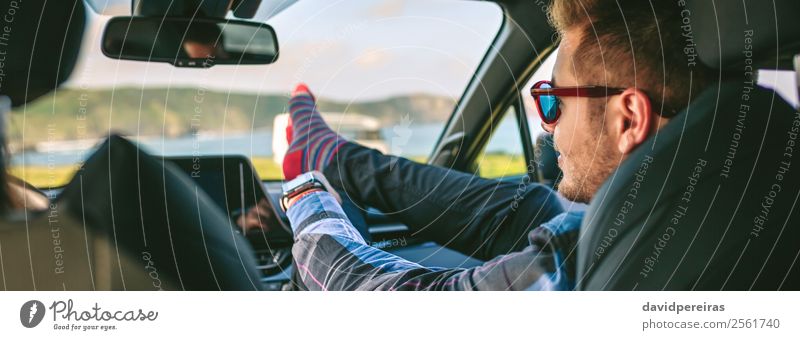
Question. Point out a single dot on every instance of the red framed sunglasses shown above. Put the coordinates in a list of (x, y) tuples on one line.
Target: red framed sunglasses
[(547, 102)]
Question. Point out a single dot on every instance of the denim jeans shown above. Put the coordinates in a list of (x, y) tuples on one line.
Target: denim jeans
[(479, 217)]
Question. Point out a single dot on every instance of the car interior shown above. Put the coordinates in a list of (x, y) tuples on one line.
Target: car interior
[(128, 220), (722, 254)]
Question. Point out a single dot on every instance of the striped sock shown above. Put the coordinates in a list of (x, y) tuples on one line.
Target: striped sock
[(312, 143)]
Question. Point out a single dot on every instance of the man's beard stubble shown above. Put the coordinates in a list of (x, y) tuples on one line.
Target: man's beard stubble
[(587, 168)]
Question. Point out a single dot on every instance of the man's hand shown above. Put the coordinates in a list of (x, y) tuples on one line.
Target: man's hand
[(256, 217)]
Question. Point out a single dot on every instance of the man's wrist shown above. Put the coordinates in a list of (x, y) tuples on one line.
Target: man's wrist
[(294, 199), (311, 181)]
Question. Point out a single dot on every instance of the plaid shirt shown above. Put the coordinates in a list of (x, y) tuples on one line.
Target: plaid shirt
[(331, 255)]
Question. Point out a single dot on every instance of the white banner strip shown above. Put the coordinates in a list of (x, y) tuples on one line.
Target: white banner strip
[(399, 315)]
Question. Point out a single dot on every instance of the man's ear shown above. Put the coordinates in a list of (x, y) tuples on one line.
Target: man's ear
[(634, 120)]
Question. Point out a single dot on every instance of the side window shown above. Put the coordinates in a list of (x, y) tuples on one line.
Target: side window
[(784, 82), (544, 72), (503, 155)]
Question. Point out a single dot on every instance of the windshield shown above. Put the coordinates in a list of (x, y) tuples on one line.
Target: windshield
[(386, 73)]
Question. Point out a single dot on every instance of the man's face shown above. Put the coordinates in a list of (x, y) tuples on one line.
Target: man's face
[(587, 154), (200, 50)]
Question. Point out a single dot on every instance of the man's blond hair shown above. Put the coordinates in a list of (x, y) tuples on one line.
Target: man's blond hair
[(634, 43)]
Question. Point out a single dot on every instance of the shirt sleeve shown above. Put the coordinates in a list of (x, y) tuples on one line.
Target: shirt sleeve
[(331, 255)]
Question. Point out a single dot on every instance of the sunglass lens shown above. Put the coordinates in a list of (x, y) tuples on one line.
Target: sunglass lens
[(549, 106)]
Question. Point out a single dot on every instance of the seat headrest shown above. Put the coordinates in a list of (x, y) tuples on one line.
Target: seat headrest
[(730, 34), (39, 44)]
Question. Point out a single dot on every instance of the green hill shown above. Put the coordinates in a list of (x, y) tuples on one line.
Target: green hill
[(73, 114)]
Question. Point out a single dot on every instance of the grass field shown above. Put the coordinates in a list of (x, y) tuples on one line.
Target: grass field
[(501, 165), (490, 166)]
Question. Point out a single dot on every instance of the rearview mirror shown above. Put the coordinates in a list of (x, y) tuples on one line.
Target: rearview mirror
[(188, 42)]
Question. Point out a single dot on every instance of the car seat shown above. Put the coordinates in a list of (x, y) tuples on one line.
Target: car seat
[(710, 201), (127, 220)]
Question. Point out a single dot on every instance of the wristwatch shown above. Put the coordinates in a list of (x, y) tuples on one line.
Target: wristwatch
[(312, 180)]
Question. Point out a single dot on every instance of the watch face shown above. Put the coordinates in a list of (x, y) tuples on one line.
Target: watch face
[(292, 185)]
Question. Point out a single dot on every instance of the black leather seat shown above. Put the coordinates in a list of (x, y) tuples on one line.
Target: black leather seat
[(710, 202), (127, 221)]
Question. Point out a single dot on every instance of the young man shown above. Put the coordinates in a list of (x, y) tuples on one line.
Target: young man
[(618, 78)]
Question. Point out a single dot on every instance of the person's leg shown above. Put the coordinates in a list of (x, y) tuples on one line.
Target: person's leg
[(477, 216), (356, 215)]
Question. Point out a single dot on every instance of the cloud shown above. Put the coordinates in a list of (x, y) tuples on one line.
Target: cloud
[(389, 8), (373, 58)]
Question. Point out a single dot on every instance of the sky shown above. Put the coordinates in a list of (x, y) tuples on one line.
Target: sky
[(350, 50)]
